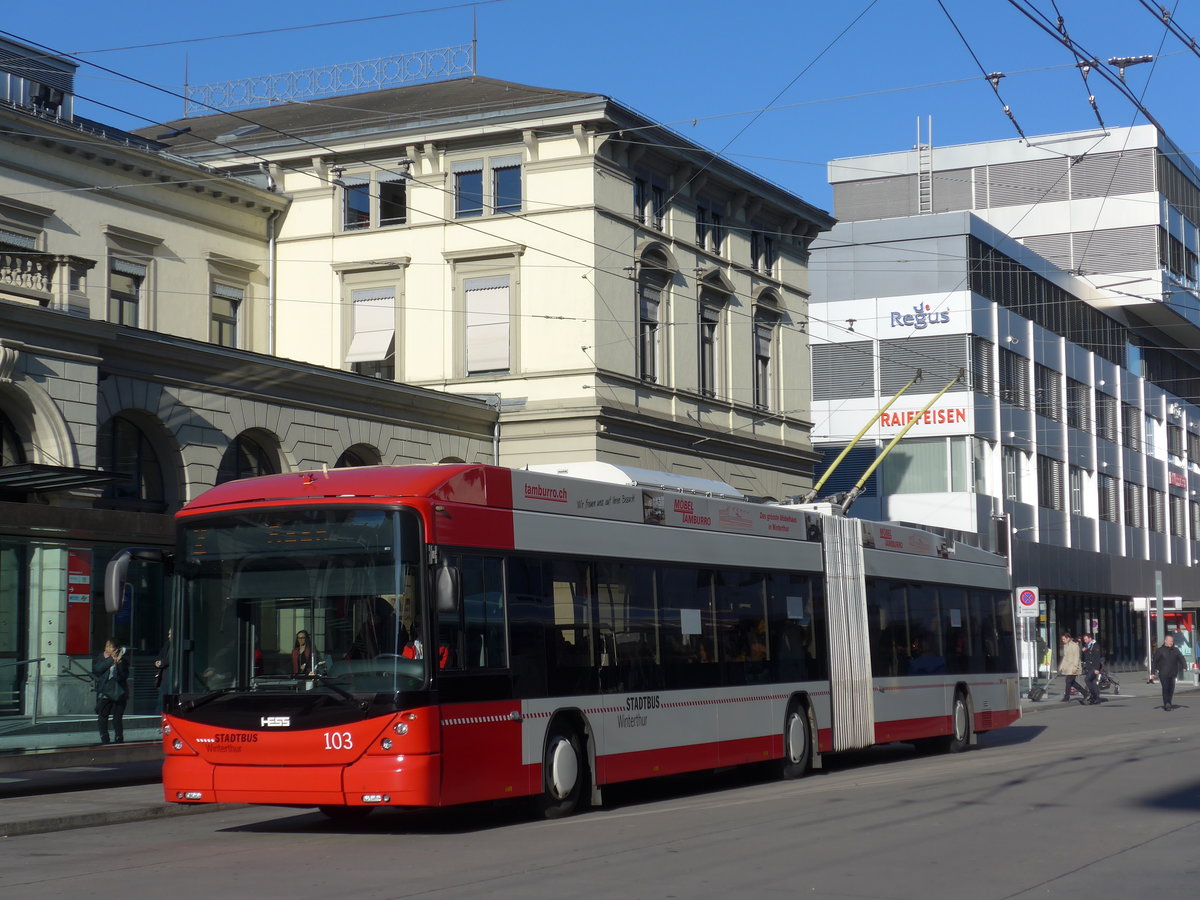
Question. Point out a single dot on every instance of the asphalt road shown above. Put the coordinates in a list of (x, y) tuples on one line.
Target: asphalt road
[(1099, 802)]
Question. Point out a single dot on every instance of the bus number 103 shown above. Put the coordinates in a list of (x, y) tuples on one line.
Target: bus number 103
[(338, 740)]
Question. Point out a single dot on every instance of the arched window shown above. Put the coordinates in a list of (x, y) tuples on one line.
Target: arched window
[(713, 299), (12, 448), (654, 276), (247, 457), (766, 327), (124, 449), (358, 455)]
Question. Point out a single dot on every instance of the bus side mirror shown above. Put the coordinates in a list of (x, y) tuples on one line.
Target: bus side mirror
[(447, 588), (118, 566)]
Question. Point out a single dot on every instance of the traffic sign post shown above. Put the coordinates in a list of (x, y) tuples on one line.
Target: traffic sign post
[(1028, 603)]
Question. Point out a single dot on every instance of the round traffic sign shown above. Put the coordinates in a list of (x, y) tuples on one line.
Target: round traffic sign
[(1027, 598)]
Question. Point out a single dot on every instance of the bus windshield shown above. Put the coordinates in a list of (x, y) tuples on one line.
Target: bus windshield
[(292, 600)]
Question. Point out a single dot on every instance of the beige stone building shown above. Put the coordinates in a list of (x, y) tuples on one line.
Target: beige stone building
[(136, 321), (618, 293)]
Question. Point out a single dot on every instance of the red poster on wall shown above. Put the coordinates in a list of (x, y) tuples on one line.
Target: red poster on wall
[(79, 601)]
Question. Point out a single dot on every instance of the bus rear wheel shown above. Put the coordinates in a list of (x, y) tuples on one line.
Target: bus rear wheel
[(960, 723), (797, 744), (563, 773)]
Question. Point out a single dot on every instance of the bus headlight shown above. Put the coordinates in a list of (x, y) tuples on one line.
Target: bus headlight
[(386, 743), (401, 729)]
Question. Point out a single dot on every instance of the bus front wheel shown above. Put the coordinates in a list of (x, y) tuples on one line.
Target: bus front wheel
[(797, 743), (563, 773)]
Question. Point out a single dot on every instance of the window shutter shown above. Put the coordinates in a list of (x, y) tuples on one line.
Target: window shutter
[(487, 325), (374, 314)]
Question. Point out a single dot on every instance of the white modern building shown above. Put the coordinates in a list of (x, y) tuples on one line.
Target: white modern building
[(1059, 278)]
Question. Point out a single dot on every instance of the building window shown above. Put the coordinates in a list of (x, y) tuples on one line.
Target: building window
[(1194, 517), (246, 457), (1048, 387), (125, 450), (710, 320), (658, 211), (358, 455), (716, 232), (1131, 427), (468, 189), (1106, 417), (125, 281), (1175, 441), (1050, 482), (1014, 378), (649, 322), (1079, 407), (393, 198), (492, 185), (1011, 462), (1178, 522), (765, 325), (224, 307), (1158, 510), (12, 448), (981, 365), (1134, 516), (372, 350), (356, 203), (702, 227), (1077, 479), (1193, 447), (641, 197), (1109, 502), (506, 187), (487, 305)]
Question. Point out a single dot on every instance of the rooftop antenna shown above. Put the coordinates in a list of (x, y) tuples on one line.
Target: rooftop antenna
[(185, 84), (474, 40)]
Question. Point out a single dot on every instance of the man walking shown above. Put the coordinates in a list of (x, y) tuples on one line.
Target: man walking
[(1093, 662), (1070, 667), (1169, 663)]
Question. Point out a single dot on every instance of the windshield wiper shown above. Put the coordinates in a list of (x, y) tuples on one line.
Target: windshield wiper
[(213, 695), (341, 692)]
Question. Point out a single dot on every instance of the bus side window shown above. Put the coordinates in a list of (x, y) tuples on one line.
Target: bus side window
[(528, 612), (472, 637)]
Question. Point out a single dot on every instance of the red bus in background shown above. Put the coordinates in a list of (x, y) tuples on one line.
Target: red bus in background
[(472, 633)]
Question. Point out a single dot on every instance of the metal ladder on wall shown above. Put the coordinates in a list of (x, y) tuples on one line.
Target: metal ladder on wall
[(925, 168)]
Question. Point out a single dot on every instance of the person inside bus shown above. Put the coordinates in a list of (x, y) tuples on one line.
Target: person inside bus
[(377, 633), (415, 649), (302, 655)]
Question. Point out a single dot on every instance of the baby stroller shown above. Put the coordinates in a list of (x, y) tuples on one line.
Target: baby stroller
[(1108, 682)]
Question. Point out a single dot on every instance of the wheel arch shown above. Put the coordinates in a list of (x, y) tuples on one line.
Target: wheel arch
[(573, 718)]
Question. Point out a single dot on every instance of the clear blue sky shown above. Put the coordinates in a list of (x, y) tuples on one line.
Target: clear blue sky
[(704, 67)]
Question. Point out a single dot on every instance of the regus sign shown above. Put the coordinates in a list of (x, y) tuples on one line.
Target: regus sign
[(922, 316)]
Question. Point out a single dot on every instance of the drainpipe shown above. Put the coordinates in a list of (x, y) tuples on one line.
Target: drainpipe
[(271, 219)]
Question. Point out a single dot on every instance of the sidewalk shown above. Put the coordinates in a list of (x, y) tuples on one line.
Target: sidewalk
[(1132, 684)]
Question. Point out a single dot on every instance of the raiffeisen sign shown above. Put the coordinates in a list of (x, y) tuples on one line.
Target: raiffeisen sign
[(953, 415)]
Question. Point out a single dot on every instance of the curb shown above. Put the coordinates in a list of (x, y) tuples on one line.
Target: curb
[(116, 817)]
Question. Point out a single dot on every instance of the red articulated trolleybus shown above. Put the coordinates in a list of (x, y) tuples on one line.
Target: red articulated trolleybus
[(422, 636)]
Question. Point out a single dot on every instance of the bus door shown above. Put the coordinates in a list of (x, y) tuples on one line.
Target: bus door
[(852, 703)]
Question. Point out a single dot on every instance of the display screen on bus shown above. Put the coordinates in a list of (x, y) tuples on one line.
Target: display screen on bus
[(299, 600)]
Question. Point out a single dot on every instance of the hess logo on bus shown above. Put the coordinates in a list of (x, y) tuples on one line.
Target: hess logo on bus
[(276, 721)]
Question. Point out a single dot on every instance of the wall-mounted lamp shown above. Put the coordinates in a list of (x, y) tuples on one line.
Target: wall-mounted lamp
[(1012, 340), (1175, 409)]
